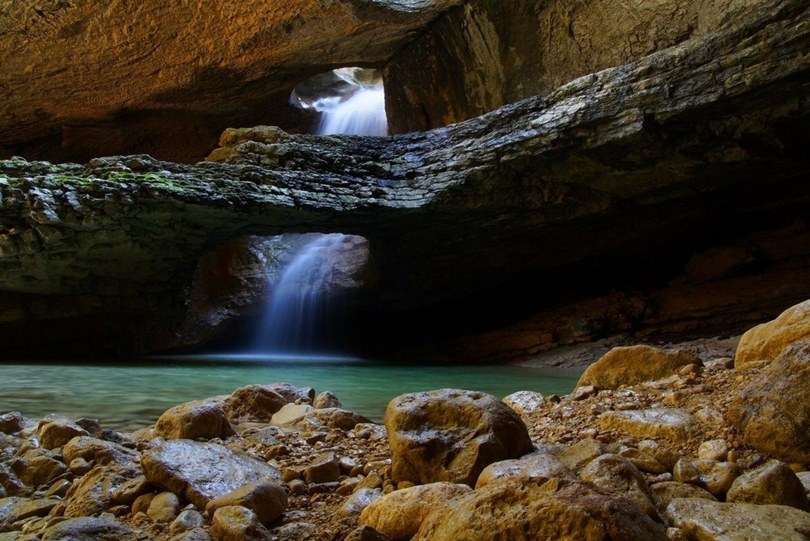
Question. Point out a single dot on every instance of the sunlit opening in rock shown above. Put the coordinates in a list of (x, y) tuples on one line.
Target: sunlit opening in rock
[(350, 101)]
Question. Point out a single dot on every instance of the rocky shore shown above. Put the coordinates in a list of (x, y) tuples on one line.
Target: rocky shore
[(679, 444)]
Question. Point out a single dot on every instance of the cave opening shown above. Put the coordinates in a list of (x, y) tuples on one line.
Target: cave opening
[(284, 295), (346, 101)]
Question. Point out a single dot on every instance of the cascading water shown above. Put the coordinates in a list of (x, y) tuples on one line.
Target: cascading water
[(299, 303), (361, 114)]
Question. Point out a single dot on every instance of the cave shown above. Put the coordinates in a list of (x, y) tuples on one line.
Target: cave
[(584, 221)]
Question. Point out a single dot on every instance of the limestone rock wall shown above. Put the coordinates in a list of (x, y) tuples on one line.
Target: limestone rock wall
[(488, 53), (90, 78)]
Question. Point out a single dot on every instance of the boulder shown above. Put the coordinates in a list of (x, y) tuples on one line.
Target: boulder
[(290, 414), (664, 493), (578, 455), (525, 402), (15, 508), (704, 519), (99, 451), (37, 467), (55, 431), (773, 413), (237, 523), (292, 393), (334, 418), (538, 467), (201, 472), (253, 403), (451, 435), (92, 494), (617, 475), (773, 483), (324, 468), (102, 528), (520, 510), (716, 477), (187, 520), (326, 399), (399, 514), (767, 341), (266, 498), (634, 364), (192, 420), (668, 423)]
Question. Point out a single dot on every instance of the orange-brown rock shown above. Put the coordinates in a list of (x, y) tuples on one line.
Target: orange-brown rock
[(524, 511), (451, 435), (192, 420), (634, 364), (766, 341), (399, 514)]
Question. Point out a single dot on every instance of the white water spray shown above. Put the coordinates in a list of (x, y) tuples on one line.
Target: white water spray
[(299, 303), (362, 114)]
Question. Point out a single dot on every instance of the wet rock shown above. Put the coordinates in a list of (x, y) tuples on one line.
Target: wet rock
[(451, 435), (581, 453), (538, 467), (324, 469), (290, 414), (192, 420), (773, 412), (767, 341), (201, 472), (54, 431), (79, 466), (525, 402), (12, 422), (267, 499), (164, 507), (92, 494), (644, 460), (664, 493), (59, 488), (326, 399), (370, 431), (399, 514), (704, 519), (236, 523), (773, 483), (635, 364), (142, 503), (253, 402), (617, 475), (359, 500), (292, 393), (37, 467), (525, 511), (672, 424), (90, 529), (186, 521), (716, 477), (15, 508)]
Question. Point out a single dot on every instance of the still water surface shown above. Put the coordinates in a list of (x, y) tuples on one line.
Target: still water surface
[(132, 394)]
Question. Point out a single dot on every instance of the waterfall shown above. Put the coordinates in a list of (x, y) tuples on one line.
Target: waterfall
[(362, 114), (299, 304)]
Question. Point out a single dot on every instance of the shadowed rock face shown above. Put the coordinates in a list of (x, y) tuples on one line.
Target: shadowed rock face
[(90, 78), (607, 180)]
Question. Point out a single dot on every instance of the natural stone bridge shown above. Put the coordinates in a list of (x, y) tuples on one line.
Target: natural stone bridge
[(691, 145)]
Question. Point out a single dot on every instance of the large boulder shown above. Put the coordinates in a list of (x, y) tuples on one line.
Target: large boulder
[(767, 341), (772, 483), (92, 494), (699, 518), (520, 510), (773, 412), (538, 467), (201, 472), (451, 435), (399, 514), (617, 475), (55, 431), (99, 451), (635, 364), (192, 420)]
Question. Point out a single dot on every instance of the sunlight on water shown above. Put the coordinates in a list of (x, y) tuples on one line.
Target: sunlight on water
[(129, 395)]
